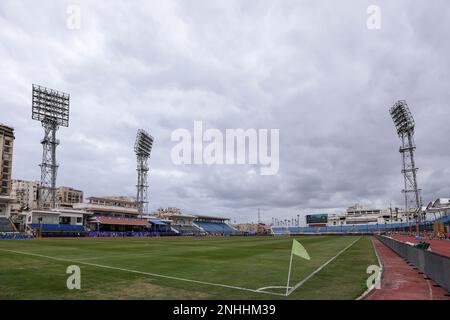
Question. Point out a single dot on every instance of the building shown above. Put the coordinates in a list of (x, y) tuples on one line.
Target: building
[(25, 195), (6, 159), (252, 228), (169, 210), (438, 209), (181, 223), (55, 217), (52, 223), (110, 206), (112, 214), (357, 215), (214, 225), (175, 216), (187, 224), (336, 219), (131, 200), (66, 197)]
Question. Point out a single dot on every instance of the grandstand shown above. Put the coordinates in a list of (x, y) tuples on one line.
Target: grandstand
[(358, 220), (158, 225), (107, 223), (8, 230), (108, 206), (14, 235), (180, 223), (58, 230), (214, 225), (6, 225), (359, 229), (188, 230), (119, 217)]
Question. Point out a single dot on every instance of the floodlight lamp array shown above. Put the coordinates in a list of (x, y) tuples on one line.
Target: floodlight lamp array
[(144, 143), (50, 105), (402, 117)]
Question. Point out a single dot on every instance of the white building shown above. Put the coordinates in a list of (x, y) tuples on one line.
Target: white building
[(357, 215), (54, 217), (438, 209), (109, 206)]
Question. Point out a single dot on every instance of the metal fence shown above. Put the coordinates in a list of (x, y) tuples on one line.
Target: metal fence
[(435, 266)]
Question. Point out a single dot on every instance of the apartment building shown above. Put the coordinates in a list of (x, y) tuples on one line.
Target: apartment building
[(6, 159)]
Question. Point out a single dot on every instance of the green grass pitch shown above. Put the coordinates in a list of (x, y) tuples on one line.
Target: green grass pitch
[(136, 268)]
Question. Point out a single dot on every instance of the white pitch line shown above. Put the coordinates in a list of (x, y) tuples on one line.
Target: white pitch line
[(141, 272), (380, 276), (298, 285), (273, 287)]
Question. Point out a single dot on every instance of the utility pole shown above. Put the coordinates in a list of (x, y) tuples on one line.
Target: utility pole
[(390, 209)]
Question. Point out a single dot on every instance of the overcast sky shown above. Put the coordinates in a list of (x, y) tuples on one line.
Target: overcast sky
[(309, 68)]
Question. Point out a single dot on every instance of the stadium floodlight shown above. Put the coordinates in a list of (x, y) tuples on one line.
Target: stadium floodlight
[(51, 108), (402, 117), (144, 143), (50, 105), (143, 148), (405, 125)]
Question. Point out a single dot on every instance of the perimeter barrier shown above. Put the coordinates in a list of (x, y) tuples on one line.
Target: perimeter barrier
[(433, 265)]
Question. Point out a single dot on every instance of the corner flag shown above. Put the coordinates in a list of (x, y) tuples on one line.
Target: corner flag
[(299, 250)]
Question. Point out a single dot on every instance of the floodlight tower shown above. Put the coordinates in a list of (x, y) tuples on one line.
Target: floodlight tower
[(142, 148), (404, 123), (51, 108)]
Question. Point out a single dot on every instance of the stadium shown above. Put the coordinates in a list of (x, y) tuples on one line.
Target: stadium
[(296, 181), (55, 245), (171, 255)]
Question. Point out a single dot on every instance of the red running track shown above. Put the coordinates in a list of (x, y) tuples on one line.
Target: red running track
[(438, 246), (400, 281)]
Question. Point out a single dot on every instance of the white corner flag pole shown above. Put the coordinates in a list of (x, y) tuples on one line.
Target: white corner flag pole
[(289, 276)]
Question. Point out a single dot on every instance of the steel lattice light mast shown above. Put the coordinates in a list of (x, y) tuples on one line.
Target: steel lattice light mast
[(51, 108), (142, 148), (405, 124)]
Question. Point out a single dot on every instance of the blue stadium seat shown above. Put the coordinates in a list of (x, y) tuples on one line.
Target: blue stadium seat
[(215, 227), (57, 227), (187, 229)]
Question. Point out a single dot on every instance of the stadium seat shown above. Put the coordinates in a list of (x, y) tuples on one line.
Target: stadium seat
[(215, 227), (187, 229), (57, 227), (5, 225)]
